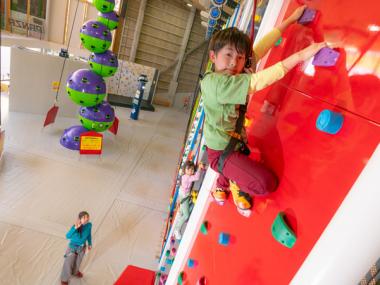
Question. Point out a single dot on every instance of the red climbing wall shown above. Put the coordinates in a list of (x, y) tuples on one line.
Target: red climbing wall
[(316, 169)]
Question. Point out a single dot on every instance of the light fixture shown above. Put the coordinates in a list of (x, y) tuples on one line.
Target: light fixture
[(374, 28), (188, 4)]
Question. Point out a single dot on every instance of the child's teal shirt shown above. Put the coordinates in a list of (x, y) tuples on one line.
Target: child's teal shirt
[(79, 239)]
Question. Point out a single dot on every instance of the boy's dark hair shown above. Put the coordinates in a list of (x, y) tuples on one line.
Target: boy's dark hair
[(80, 216), (188, 165), (83, 214), (234, 37)]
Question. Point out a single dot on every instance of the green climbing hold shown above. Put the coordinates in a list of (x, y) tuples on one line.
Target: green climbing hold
[(204, 227), (278, 42), (180, 278), (282, 232)]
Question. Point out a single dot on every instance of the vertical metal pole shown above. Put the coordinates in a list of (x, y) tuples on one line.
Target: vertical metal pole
[(136, 35)]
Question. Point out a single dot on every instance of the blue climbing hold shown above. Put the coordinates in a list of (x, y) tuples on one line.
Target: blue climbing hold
[(191, 263), (329, 122), (224, 239)]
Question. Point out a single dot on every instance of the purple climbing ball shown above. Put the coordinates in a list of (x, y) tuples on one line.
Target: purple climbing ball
[(98, 118), (86, 88), (110, 19), (95, 36), (107, 58), (97, 30), (71, 137), (104, 64), (84, 80), (100, 113)]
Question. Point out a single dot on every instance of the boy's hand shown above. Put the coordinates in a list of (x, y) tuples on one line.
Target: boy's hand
[(302, 55), (292, 18), (296, 14), (77, 224), (248, 70), (311, 50)]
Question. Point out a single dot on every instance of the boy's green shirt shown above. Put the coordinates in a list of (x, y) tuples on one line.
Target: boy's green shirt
[(221, 95)]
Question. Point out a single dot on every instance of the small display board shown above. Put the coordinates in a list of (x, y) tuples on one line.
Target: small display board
[(91, 143), (55, 86)]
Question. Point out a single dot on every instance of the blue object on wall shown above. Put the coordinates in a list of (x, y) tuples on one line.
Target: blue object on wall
[(329, 122), (224, 239)]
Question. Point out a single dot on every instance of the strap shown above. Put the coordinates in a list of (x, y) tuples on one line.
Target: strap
[(233, 141)]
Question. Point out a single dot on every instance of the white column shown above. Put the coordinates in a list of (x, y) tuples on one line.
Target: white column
[(350, 243)]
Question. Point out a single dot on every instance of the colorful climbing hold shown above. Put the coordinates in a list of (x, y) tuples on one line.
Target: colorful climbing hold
[(191, 263), (329, 122), (224, 238), (204, 228), (282, 232), (181, 278)]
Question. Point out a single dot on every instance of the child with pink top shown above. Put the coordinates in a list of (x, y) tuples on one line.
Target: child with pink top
[(184, 196)]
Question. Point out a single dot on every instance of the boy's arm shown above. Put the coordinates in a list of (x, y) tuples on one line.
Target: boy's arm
[(70, 233), (268, 41), (89, 238), (268, 76)]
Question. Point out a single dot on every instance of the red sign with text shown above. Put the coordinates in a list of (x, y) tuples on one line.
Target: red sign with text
[(91, 143)]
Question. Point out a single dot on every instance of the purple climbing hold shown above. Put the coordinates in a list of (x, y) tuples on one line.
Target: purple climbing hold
[(307, 16), (326, 57)]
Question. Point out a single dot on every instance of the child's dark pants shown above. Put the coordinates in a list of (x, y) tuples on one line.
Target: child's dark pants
[(251, 176)]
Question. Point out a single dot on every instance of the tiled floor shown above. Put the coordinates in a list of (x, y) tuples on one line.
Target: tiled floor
[(43, 186)]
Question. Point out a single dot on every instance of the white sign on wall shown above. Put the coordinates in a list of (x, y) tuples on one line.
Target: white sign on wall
[(19, 24)]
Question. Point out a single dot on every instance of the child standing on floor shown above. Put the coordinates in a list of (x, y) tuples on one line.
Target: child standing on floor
[(184, 197), (79, 235), (223, 91)]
